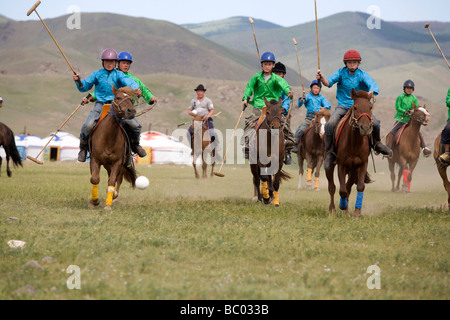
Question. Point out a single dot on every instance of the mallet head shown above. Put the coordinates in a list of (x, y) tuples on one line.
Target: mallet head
[(33, 8), (295, 41), (251, 20), (427, 26)]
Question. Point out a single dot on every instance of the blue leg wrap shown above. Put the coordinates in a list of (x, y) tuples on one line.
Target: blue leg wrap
[(359, 200), (343, 203)]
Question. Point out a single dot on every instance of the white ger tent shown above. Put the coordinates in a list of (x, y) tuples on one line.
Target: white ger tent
[(164, 149)]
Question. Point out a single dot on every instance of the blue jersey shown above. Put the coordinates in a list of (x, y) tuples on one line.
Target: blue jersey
[(103, 81), (314, 103), (285, 103), (360, 80)]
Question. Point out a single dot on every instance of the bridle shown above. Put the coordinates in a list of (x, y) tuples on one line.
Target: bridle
[(116, 106), (354, 120)]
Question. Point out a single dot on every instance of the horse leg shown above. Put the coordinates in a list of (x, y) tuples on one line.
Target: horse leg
[(360, 188), (443, 173), (113, 173), (300, 170), (118, 184), (194, 164), (8, 170), (331, 188), (399, 177), (95, 180), (1, 159), (343, 203), (412, 166), (406, 175), (318, 166), (265, 190), (256, 182), (276, 187), (392, 170), (204, 167), (309, 161), (213, 162)]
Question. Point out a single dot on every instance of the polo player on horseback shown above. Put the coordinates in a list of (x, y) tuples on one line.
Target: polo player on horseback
[(445, 137), (348, 78), (262, 85), (103, 79), (403, 107)]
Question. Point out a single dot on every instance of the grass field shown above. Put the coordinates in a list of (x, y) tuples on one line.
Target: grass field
[(206, 240)]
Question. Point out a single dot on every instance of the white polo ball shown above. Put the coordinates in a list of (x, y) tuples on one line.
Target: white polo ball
[(194, 112), (142, 183)]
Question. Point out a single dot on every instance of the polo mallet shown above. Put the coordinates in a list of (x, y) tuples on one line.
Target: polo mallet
[(229, 142), (28, 14), (427, 26), (184, 123), (317, 34), (254, 36), (36, 159), (298, 62)]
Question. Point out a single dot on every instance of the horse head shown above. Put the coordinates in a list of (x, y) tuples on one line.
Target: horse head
[(273, 114), (420, 114), (123, 102), (362, 112), (320, 120)]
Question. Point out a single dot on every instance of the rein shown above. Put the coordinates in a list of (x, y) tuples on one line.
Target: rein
[(116, 107)]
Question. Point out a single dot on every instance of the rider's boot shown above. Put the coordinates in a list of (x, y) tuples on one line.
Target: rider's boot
[(83, 151), (330, 152), (136, 148)]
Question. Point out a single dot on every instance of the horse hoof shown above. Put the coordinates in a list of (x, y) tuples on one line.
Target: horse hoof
[(255, 199), (316, 189), (108, 208), (93, 203), (266, 201)]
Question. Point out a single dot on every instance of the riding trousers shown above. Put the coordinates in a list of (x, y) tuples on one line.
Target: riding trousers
[(92, 119), (301, 128), (445, 138), (338, 114), (190, 132)]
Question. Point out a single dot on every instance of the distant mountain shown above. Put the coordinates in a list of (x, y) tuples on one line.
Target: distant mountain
[(226, 26)]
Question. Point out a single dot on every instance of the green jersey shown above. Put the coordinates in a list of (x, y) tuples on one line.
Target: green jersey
[(260, 88), (448, 104), (404, 103)]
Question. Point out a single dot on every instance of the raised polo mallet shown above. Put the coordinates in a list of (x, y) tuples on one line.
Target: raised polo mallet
[(36, 159), (219, 174), (298, 62), (28, 14), (317, 34), (254, 36), (427, 26)]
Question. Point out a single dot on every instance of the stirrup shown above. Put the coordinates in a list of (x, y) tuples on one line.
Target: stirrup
[(444, 159)]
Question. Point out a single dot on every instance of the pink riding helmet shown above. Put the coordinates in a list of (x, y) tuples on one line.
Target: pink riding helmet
[(109, 54)]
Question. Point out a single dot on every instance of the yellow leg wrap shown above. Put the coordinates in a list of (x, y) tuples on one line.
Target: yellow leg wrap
[(316, 184), (94, 192), (276, 198), (264, 190), (309, 178), (109, 195)]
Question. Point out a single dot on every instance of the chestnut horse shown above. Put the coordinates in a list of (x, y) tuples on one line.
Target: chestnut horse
[(312, 148), (267, 154), (442, 169), (110, 148), (406, 149), (201, 146), (353, 148), (9, 145)]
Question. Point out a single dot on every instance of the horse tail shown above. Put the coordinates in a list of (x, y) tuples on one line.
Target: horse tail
[(130, 174), (284, 176), (13, 152)]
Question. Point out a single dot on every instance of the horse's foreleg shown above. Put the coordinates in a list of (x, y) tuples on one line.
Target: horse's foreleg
[(112, 179), (95, 180), (443, 173), (300, 170), (265, 190), (118, 184), (194, 164), (204, 167), (412, 166), (343, 203), (276, 187), (331, 188), (309, 161), (8, 170), (399, 177), (392, 170), (360, 188), (318, 166)]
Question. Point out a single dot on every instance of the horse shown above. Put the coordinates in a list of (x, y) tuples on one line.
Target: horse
[(202, 146), (353, 148), (9, 145), (312, 148), (110, 148), (266, 158), (442, 169), (406, 148)]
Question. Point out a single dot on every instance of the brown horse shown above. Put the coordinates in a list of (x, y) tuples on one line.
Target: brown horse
[(406, 149), (110, 148), (353, 148), (201, 146), (266, 157), (312, 148), (442, 169), (9, 145)]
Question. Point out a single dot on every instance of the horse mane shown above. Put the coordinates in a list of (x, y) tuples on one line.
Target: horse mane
[(363, 94), (128, 91), (324, 112)]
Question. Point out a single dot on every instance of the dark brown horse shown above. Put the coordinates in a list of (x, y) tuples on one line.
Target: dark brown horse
[(353, 149), (442, 169), (201, 146), (110, 148), (9, 145), (312, 148), (267, 155), (406, 149)]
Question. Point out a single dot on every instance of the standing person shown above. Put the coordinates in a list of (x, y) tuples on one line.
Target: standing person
[(1, 102), (348, 78), (102, 79), (403, 107), (264, 84), (313, 101), (125, 60), (445, 137), (203, 107), (280, 70)]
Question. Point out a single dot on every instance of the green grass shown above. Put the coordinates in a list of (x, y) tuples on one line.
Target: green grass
[(205, 239)]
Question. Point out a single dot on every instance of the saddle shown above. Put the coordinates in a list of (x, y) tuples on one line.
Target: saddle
[(261, 118), (338, 130)]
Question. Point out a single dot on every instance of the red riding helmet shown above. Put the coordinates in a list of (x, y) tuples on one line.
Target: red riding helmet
[(352, 55)]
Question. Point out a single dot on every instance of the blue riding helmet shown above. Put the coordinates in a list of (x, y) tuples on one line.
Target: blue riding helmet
[(125, 56), (315, 82), (268, 56)]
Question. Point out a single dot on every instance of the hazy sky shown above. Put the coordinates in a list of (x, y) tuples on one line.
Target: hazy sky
[(285, 13)]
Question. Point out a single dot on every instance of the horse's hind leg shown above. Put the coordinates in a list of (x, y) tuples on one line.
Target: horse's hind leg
[(118, 184), (194, 164), (343, 190), (331, 189), (8, 170), (300, 170), (95, 180)]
